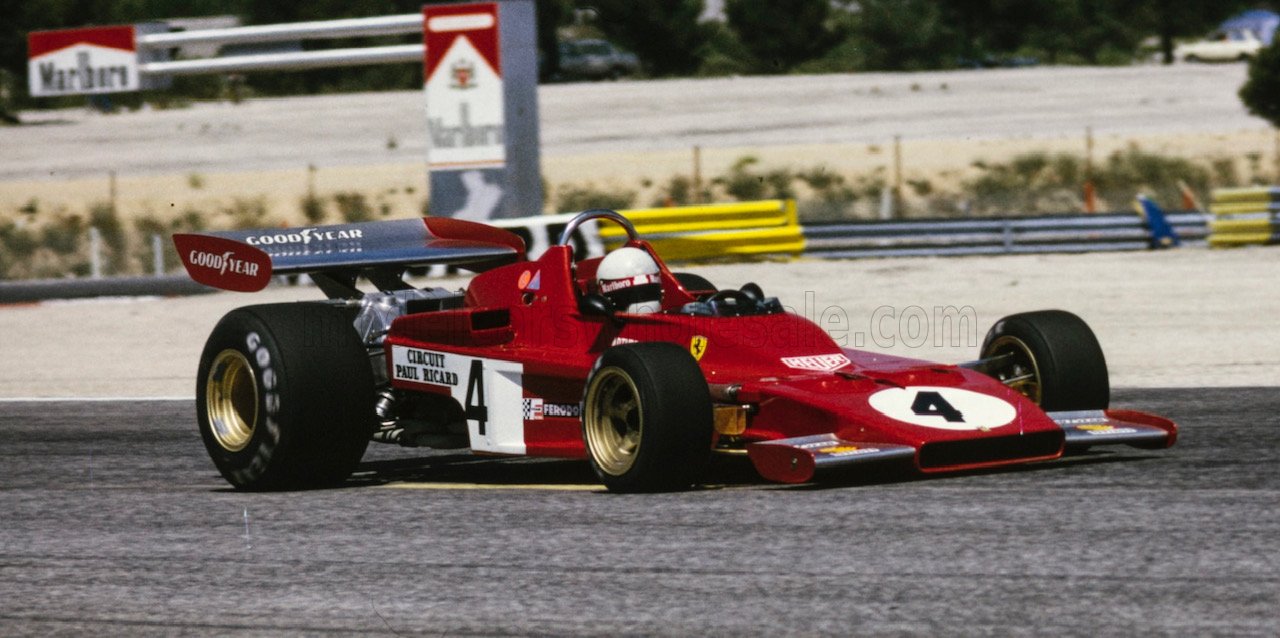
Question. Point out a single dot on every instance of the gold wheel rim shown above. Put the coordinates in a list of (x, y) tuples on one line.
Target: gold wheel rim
[(1019, 369), (231, 400), (613, 421)]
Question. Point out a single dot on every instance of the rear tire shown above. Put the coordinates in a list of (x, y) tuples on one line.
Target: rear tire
[(284, 396), (646, 418), (1058, 356)]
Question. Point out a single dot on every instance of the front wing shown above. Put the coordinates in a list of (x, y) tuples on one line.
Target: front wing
[(797, 460)]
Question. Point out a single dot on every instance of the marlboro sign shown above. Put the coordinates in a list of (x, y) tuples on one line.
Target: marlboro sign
[(82, 61), (465, 118)]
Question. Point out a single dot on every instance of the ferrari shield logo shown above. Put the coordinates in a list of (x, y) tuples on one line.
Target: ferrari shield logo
[(698, 346)]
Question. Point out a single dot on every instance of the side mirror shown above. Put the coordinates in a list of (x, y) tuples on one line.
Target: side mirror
[(596, 305)]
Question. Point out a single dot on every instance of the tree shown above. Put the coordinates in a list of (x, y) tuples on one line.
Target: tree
[(1261, 92), (898, 35), (783, 33), (551, 14), (665, 34)]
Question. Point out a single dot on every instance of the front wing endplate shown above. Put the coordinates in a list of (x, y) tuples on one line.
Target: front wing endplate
[(1086, 428), (796, 460)]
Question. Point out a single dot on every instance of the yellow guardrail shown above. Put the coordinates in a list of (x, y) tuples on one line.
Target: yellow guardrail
[(1248, 195), (1245, 216), (713, 231)]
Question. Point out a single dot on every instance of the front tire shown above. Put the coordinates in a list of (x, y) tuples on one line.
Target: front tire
[(1052, 358), (646, 418), (284, 396)]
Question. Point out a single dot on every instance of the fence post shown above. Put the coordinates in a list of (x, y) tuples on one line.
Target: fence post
[(157, 254), (886, 204), (897, 175), (697, 174), (95, 252), (1007, 235)]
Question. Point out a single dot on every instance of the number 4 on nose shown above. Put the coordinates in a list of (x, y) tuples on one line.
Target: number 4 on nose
[(930, 403)]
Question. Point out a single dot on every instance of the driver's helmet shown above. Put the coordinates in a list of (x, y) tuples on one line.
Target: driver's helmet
[(629, 278)]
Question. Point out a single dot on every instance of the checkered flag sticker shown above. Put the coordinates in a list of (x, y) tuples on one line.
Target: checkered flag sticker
[(533, 409)]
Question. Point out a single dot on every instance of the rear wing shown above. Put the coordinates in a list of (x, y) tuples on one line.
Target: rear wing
[(245, 260)]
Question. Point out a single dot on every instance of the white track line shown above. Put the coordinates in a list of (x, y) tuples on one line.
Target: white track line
[(556, 487), (90, 399)]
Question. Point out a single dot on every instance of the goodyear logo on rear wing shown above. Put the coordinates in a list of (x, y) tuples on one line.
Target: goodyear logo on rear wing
[(304, 236), (223, 263)]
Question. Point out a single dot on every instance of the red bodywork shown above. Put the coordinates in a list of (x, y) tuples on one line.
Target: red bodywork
[(516, 357), (527, 314)]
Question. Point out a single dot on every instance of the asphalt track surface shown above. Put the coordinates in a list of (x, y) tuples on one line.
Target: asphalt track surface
[(113, 521)]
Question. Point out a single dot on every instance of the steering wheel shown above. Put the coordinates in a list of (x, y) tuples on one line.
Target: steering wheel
[(566, 237), (732, 302)]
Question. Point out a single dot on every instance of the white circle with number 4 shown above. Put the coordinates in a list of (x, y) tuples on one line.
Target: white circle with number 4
[(943, 408)]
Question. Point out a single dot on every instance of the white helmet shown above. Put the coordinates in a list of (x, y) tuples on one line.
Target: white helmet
[(629, 278)]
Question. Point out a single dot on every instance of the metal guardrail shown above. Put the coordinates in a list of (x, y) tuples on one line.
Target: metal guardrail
[(925, 237), (288, 60), (1013, 235), (28, 291)]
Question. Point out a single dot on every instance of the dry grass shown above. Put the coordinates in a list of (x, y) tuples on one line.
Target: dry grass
[(43, 224)]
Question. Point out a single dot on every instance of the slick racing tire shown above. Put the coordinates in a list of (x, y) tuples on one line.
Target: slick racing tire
[(1052, 358), (646, 418), (285, 396)]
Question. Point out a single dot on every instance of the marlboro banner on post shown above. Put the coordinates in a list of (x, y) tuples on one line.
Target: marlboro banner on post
[(82, 61), (463, 82)]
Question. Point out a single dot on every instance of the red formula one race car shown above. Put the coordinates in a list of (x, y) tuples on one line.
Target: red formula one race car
[(644, 372)]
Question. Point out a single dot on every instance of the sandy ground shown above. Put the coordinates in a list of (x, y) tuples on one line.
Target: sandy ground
[(625, 134), (1188, 317)]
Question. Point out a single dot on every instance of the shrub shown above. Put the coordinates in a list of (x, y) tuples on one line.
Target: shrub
[(16, 246), (1044, 183), (679, 191), (1127, 172), (744, 184), (246, 212), (63, 236), (313, 209), (573, 198), (353, 207)]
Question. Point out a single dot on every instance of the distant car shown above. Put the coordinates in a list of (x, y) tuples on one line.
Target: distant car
[(1220, 46), (595, 60), (997, 62)]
